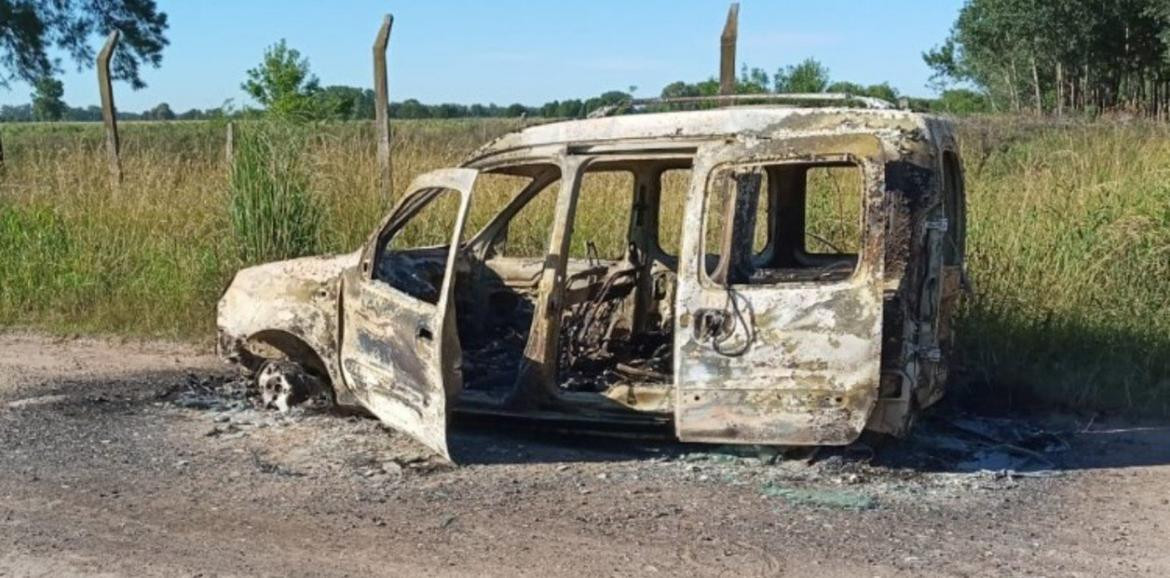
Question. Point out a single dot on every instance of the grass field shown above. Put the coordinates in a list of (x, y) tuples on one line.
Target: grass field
[(1069, 245)]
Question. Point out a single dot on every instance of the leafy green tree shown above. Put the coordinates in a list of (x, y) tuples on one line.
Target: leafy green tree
[(161, 112), (30, 28), (752, 81), (570, 108), (1057, 55), (344, 103), (679, 89), (883, 91), (283, 84), (846, 87), (46, 99), (808, 76), (961, 101), (411, 108)]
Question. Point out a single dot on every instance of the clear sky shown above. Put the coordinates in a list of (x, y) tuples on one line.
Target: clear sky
[(506, 51)]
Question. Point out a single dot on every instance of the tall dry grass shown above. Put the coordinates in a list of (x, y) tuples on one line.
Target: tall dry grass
[(1069, 236), (1069, 253)]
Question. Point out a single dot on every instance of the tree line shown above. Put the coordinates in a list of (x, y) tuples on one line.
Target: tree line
[(1058, 56), (283, 85)]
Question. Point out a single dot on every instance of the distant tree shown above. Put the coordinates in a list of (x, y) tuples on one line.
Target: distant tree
[(808, 76), (961, 101), (283, 84), (411, 108), (1058, 55), (883, 91), (679, 89), (516, 110), (345, 103), (161, 112), (192, 114), (16, 113), (752, 81), (46, 99), (549, 109), (846, 87), (91, 113), (572, 108), (449, 110), (29, 28)]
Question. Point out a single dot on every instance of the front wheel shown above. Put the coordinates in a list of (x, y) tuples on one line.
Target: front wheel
[(283, 384)]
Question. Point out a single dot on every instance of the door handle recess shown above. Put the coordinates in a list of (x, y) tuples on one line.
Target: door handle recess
[(423, 333), (710, 324)]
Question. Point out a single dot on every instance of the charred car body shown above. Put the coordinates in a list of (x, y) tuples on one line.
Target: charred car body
[(763, 322)]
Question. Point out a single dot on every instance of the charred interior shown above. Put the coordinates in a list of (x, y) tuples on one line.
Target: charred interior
[(616, 318), (764, 225)]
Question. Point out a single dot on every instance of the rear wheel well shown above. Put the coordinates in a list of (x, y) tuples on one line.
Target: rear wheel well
[(277, 344)]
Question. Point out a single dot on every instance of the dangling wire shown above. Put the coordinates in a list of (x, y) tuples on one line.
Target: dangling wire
[(732, 309)]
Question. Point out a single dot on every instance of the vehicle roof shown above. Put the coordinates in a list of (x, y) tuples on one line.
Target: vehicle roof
[(704, 125)]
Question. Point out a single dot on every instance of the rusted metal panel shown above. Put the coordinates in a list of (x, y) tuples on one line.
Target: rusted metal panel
[(802, 362), (294, 299), (400, 355), (536, 384)]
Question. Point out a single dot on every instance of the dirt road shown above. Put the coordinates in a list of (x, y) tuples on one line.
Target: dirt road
[(146, 459)]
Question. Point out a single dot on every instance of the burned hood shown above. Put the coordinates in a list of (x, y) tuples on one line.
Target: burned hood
[(295, 279), (298, 296)]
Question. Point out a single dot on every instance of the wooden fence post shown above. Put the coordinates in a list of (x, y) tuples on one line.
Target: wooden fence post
[(1, 155), (108, 115), (727, 51), (382, 109)]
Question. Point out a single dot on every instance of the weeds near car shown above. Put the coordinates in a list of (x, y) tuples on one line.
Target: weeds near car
[(274, 214)]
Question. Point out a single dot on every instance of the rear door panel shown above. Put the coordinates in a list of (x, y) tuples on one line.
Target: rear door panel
[(801, 362)]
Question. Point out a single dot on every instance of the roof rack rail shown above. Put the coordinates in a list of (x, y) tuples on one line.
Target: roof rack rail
[(812, 98)]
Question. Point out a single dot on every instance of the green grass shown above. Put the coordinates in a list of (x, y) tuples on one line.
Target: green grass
[(1069, 253), (1069, 236), (274, 214)]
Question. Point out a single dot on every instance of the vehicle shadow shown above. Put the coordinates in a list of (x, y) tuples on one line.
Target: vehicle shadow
[(945, 440)]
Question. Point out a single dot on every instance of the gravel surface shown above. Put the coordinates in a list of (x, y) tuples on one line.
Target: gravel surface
[(153, 459)]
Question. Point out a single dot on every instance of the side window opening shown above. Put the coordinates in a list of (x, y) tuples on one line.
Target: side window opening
[(602, 219), (783, 222), (411, 253), (673, 185), (493, 192), (526, 231)]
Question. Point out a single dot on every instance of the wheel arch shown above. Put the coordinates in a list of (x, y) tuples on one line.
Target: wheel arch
[(261, 344)]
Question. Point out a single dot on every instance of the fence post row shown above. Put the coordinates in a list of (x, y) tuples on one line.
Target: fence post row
[(382, 109), (727, 51), (108, 116)]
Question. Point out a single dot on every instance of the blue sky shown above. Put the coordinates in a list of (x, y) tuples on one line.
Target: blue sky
[(506, 51)]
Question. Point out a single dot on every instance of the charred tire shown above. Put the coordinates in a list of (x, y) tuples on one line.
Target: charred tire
[(283, 384)]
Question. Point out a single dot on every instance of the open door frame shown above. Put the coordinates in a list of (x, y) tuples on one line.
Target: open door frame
[(399, 354)]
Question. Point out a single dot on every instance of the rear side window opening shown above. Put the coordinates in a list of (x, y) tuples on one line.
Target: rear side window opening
[(783, 222)]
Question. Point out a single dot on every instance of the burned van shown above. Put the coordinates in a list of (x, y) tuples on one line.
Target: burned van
[(752, 275)]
